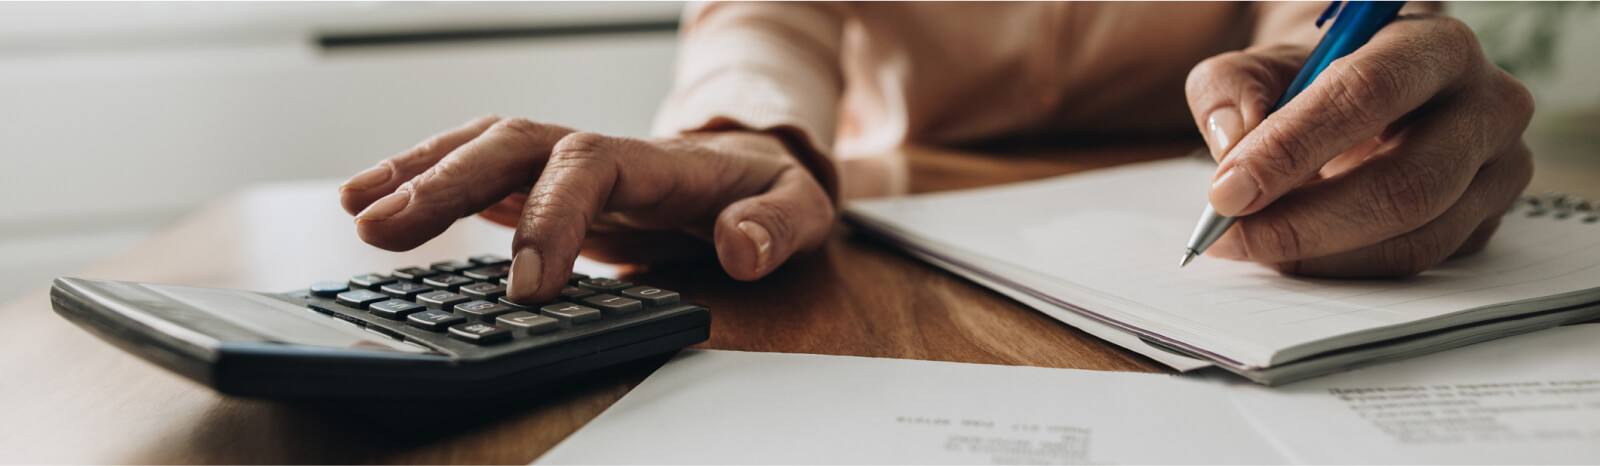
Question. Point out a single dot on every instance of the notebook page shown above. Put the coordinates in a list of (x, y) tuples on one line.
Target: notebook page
[(1110, 241)]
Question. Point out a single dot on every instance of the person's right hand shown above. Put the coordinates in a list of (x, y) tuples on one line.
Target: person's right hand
[(743, 191)]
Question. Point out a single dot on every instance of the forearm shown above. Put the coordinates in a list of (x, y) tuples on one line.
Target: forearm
[(769, 67)]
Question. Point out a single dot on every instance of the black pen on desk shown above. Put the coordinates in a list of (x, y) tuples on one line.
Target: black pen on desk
[(1357, 22)]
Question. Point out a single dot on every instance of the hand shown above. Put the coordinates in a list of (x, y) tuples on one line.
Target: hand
[(566, 190), (1400, 155)]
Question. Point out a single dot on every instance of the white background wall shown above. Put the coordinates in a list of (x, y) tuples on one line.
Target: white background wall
[(117, 118)]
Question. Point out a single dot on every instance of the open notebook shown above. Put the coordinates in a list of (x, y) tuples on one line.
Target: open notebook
[(1103, 244)]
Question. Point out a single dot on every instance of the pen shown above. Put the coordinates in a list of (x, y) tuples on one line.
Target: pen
[(1355, 25)]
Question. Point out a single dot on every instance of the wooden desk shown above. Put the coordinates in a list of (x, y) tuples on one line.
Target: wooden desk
[(68, 397)]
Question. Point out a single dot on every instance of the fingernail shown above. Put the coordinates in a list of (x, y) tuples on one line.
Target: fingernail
[(1224, 125), (526, 268), (386, 207), (758, 235), (371, 177), (1234, 191)]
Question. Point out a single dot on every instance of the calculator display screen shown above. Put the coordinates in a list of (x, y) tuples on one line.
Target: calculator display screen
[(271, 319)]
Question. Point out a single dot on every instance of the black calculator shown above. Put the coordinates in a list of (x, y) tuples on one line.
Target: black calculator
[(440, 331)]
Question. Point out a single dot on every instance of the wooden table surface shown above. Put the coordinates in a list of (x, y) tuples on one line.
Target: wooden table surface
[(66, 397)]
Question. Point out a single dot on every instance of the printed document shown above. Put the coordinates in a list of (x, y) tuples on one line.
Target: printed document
[(1532, 398)]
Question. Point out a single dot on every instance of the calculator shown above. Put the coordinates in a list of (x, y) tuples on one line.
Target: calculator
[(445, 330)]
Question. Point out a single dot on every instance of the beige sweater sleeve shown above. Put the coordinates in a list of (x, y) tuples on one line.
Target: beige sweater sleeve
[(770, 67)]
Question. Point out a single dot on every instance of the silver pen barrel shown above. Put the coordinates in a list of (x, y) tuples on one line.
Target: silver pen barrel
[(1210, 227)]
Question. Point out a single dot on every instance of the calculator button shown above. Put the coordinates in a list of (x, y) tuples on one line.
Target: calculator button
[(405, 290), (446, 281), (452, 266), (576, 277), (573, 292), (395, 309), (328, 289), (414, 273), (488, 259), (614, 304), (493, 272), (654, 296), (370, 281), (434, 320), (481, 310), (533, 324), (480, 333), (441, 299), (604, 284), (570, 314), (359, 299), (483, 291)]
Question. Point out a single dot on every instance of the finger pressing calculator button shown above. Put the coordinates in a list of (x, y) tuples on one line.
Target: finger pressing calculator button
[(573, 292), (446, 281), (328, 289), (395, 309), (654, 296), (479, 333), (405, 290), (483, 291), (571, 314), (370, 281), (533, 324), (516, 306), (490, 273), (481, 310), (452, 266), (414, 273), (488, 259), (359, 299), (604, 285), (434, 320), (441, 299), (613, 303)]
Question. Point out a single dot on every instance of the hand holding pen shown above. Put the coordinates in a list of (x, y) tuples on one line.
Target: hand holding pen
[(1395, 157)]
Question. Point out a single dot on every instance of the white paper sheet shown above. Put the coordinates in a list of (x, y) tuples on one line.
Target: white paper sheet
[(1527, 399), (1108, 241), (734, 407)]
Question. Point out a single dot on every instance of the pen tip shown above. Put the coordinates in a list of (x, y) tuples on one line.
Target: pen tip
[(1188, 256)]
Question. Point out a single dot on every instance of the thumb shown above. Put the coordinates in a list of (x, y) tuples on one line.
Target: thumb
[(756, 234), (1230, 94)]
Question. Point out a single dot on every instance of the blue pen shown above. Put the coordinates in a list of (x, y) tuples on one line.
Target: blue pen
[(1355, 25)]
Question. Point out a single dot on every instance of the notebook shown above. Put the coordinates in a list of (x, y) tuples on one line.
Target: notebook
[(1104, 245)]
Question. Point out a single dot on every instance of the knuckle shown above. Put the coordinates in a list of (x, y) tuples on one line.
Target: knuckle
[(1455, 38), (778, 218), (523, 127), (1209, 69), (1282, 162), (1272, 240), (435, 191), (581, 145), (1360, 87), (1518, 100), (1404, 198)]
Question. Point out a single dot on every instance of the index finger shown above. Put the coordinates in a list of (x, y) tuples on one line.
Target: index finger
[(1354, 99)]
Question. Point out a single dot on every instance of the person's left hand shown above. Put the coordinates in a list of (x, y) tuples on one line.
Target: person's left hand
[(1400, 155)]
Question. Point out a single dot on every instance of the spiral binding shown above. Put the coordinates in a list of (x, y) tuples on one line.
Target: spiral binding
[(1556, 205)]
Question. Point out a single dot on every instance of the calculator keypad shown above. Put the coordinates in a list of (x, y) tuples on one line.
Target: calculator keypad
[(434, 320), (570, 314), (465, 300)]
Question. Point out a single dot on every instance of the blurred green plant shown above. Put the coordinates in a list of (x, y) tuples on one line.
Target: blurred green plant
[(1521, 37)]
